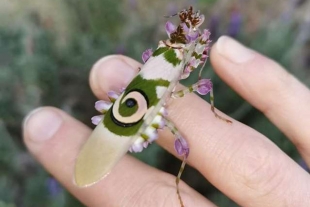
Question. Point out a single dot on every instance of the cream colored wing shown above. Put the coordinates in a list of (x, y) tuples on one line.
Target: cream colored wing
[(99, 154)]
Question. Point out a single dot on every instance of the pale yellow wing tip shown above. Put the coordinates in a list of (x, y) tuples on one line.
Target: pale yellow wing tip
[(98, 156), (82, 181)]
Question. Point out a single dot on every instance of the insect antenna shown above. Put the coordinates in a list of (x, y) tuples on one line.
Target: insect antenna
[(166, 16)]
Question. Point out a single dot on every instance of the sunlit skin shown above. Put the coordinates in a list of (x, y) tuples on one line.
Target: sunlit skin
[(238, 160)]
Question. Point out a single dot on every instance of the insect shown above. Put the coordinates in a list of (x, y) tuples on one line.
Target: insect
[(130, 121)]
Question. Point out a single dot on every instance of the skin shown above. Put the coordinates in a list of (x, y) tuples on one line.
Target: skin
[(239, 161)]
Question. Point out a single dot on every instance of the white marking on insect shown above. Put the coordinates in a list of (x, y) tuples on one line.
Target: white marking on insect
[(160, 90), (94, 161), (159, 68)]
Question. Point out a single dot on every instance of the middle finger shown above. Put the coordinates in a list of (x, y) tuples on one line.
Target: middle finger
[(239, 161)]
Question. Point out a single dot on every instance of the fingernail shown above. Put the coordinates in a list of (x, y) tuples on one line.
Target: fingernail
[(41, 124), (233, 50), (112, 73)]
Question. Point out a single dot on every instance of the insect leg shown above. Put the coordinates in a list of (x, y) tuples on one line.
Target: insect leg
[(213, 108), (181, 147), (203, 87)]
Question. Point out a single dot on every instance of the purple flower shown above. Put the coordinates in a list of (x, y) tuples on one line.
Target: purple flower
[(304, 165), (170, 28), (146, 55), (204, 86), (96, 119), (214, 26), (192, 36), (185, 28), (53, 186), (102, 106), (138, 145), (112, 95), (205, 35), (235, 24), (181, 146)]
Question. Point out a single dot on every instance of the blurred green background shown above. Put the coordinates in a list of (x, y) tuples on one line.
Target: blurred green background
[(48, 47)]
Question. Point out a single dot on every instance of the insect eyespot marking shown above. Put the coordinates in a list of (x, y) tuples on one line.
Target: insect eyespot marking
[(131, 102)]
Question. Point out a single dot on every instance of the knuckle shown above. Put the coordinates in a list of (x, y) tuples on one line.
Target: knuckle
[(260, 169), (159, 194)]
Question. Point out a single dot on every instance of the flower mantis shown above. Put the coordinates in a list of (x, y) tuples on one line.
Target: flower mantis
[(131, 119)]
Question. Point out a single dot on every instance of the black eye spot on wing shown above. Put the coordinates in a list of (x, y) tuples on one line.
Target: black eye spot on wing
[(131, 102)]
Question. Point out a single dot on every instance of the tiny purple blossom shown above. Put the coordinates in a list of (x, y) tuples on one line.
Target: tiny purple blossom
[(113, 95), (185, 28), (96, 119), (188, 69), (102, 106), (153, 136), (163, 111), (304, 165), (53, 186), (205, 35), (170, 28), (181, 146), (192, 36), (161, 124), (145, 144), (235, 23), (122, 89), (146, 55), (137, 147), (204, 86)]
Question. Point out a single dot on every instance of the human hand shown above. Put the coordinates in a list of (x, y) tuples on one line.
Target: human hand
[(239, 161)]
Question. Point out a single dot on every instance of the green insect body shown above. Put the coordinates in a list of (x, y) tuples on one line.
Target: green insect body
[(131, 120)]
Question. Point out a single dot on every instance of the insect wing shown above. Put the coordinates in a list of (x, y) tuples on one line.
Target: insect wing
[(105, 148), (99, 154)]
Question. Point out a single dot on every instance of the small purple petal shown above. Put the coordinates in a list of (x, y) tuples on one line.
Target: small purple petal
[(146, 55), (205, 35), (304, 165), (137, 147), (158, 122), (102, 106), (153, 136), (185, 75), (53, 186), (185, 28), (113, 95), (122, 89), (163, 111), (145, 144), (96, 119), (181, 146), (204, 86), (191, 37), (161, 124), (188, 69), (170, 28)]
